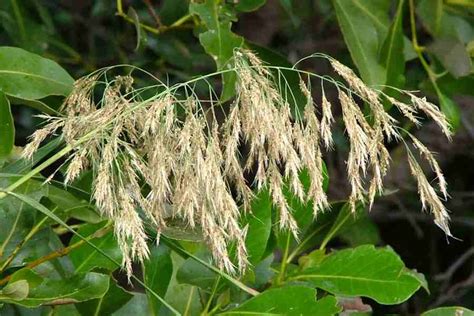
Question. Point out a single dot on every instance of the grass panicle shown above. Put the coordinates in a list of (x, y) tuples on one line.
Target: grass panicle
[(167, 157)]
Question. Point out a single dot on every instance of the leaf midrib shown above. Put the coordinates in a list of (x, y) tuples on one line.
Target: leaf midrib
[(15, 72)]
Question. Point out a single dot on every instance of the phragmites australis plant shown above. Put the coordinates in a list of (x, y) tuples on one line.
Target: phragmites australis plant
[(168, 157)]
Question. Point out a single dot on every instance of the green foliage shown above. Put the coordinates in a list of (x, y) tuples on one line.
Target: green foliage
[(218, 40), (364, 25), (27, 76), (288, 300), (364, 271), (45, 291), (7, 129)]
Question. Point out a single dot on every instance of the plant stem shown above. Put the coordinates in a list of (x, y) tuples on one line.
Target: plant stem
[(185, 254), (155, 30), (211, 297), (300, 246), (190, 299), (333, 231), (281, 276), (419, 49)]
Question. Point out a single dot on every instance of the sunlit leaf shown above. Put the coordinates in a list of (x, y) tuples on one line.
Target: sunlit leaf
[(377, 273)]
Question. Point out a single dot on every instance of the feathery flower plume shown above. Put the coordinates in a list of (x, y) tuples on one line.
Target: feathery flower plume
[(163, 159)]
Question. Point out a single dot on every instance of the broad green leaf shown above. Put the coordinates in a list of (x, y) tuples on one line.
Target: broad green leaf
[(219, 41), (15, 291), (17, 218), (249, 5), (157, 272), (112, 301), (449, 311), (78, 288), (172, 10), (377, 273), (360, 24), (31, 202), (259, 222), (48, 105), (7, 128), (392, 49), (450, 109), (137, 306), (363, 231), (29, 76), (451, 86), (183, 297), (288, 300), (453, 55), (288, 7), (441, 24), (194, 273), (327, 226), (431, 13), (345, 219), (86, 258)]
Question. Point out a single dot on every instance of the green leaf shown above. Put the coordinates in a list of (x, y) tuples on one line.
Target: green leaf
[(78, 288), (31, 202), (28, 76), (431, 13), (360, 25), (157, 272), (377, 273), (453, 55), (112, 301), (86, 258), (289, 300), (17, 217), (249, 5), (219, 41), (449, 311), (345, 219), (259, 222), (362, 232), (193, 273), (7, 128), (136, 306), (15, 291), (183, 297), (450, 109), (441, 24), (392, 49)]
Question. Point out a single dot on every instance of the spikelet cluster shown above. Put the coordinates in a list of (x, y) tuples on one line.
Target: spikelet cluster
[(167, 157)]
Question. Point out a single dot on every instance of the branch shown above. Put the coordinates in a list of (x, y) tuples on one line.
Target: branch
[(155, 30)]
